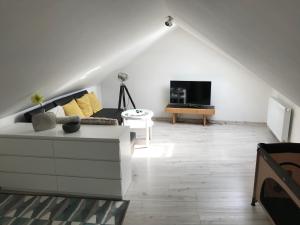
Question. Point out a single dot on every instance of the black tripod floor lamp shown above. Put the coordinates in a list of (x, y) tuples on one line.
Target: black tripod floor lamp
[(123, 91)]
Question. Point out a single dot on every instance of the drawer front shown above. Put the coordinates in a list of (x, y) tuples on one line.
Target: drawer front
[(30, 147), (86, 168), (24, 164), (27, 182), (86, 150), (88, 186)]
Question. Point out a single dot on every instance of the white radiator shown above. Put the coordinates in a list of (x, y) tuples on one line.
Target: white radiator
[(278, 119)]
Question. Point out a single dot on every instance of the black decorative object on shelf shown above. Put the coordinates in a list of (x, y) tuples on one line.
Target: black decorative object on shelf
[(71, 127)]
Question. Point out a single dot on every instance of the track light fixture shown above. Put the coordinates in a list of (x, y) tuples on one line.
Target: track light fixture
[(169, 21)]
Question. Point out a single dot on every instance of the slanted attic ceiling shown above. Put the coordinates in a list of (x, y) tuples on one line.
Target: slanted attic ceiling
[(56, 46), (264, 36)]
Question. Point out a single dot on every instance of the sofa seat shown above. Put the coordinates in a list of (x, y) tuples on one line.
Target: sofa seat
[(110, 113)]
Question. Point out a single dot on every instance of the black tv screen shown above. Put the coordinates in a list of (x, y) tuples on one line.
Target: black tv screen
[(190, 92)]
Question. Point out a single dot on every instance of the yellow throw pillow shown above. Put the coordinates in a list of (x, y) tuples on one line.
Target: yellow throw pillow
[(95, 103), (72, 109), (85, 105)]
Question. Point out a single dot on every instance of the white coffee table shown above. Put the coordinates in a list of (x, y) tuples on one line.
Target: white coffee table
[(139, 119)]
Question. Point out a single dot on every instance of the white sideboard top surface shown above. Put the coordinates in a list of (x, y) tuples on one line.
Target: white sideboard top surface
[(101, 133)]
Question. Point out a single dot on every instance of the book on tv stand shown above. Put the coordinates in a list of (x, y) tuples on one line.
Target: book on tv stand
[(193, 106)]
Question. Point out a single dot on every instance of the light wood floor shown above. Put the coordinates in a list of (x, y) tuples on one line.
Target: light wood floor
[(196, 175)]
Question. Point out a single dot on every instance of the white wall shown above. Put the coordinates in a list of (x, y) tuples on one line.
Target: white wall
[(295, 121), (237, 94)]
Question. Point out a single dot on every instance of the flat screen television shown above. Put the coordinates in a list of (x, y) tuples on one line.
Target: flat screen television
[(190, 92)]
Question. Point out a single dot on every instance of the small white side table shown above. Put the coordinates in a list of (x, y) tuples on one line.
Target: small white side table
[(139, 119)]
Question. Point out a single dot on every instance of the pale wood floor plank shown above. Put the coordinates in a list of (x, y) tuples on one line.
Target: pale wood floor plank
[(196, 175)]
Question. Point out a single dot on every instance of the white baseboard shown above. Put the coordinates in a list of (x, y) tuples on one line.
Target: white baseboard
[(200, 121)]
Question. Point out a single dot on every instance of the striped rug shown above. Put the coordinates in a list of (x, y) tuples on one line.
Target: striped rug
[(17, 209)]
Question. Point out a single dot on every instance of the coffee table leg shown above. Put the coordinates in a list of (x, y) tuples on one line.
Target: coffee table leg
[(147, 136), (150, 133)]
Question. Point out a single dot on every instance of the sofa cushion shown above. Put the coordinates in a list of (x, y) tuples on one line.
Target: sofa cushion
[(110, 113), (95, 103), (58, 111), (80, 94), (64, 100), (72, 109), (85, 105)]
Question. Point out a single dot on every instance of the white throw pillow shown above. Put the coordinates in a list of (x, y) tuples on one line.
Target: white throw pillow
[(58, 111)]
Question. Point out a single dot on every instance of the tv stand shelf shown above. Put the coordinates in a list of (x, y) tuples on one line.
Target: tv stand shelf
[(205, 112)]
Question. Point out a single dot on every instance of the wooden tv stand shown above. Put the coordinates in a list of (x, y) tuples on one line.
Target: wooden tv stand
[(205, 112)]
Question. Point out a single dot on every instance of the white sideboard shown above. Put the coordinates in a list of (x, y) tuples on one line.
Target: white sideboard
[(94, 161)]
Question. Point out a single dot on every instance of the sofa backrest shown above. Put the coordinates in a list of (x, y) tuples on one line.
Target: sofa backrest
[(50, 105)]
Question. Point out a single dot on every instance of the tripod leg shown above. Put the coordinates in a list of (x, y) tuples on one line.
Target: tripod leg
[(120, 97), (129, 97), (124, 101)]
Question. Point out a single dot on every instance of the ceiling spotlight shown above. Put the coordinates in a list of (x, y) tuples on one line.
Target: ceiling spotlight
[(169, 21)]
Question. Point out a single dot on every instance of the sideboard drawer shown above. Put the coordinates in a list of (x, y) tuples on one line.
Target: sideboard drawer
[(88, 186), (87, 150), (24, 164), (28, 182), (86, 168), (31, 147)]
